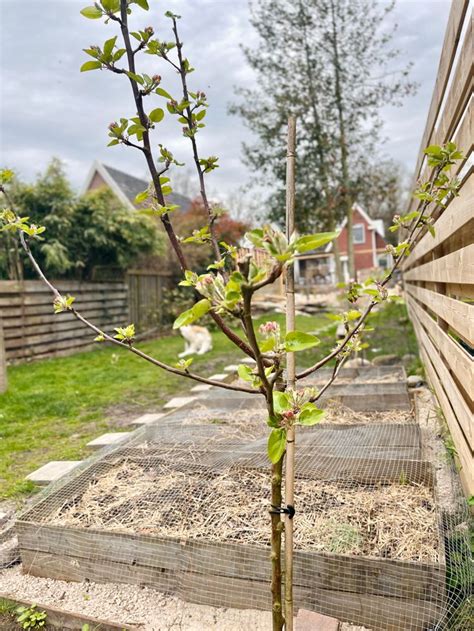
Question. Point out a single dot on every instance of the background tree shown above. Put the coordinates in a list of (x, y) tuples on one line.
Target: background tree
[(83, 232), (330, 62), (200, 255)]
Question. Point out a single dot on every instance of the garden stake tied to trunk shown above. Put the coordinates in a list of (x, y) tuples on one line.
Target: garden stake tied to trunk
[(228, 287)]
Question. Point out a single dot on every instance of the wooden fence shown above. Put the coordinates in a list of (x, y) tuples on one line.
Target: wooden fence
[(439, 273), (32, 330), (146, 291)]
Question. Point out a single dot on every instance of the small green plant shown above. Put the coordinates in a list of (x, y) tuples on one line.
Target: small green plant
[(7, 607), (29, 618), (403, 479)]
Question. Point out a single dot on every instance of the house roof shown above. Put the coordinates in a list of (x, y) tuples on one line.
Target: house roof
[(127, 186)]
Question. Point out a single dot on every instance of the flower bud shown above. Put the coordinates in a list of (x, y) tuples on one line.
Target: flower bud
[(156, 78), (113, 126), (149, 30)]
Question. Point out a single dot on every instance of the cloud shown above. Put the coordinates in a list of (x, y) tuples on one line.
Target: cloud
[(48, 108)]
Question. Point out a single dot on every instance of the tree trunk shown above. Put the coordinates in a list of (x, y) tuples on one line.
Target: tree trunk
[(321, 142), (277, 528), (345, 183)]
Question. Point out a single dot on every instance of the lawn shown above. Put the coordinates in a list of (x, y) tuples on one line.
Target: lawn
[(54, 407)]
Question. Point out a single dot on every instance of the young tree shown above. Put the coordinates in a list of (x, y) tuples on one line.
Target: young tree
[(228, 288), (331, 60)]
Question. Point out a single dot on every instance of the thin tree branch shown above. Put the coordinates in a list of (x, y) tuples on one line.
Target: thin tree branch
[(199, 169), (372, 303), (132, 349)]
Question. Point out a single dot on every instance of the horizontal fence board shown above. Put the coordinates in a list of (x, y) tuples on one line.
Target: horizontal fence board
[(451, 38), (13, 321), (459, 315), (65, 286), (464, 454), (456, 98), (457, 267), (461, 409), (83, 307), (439, 272), (33, 330), (457, 214), (460, 363)]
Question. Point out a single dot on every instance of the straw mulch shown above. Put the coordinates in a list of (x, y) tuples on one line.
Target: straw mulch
[(161, 499), (252, 424)]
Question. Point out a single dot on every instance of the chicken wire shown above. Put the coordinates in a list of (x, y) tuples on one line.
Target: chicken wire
[(183, 508)]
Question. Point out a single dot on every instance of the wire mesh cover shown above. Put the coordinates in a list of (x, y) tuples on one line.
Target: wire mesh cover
[(184, 508)]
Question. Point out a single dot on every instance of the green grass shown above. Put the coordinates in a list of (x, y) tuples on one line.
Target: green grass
[(54, 407)]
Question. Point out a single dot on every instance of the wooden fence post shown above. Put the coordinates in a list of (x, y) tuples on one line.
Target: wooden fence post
[(3, 362)]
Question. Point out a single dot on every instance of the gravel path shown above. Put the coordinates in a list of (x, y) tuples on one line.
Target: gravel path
[(146, 608)]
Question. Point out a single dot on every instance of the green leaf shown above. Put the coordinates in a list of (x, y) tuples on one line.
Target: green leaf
[(299, 341), (268, 344), (281, 402), (141, 197), (111, 5), (276, 444), (143, 4), (200, 115), (135, 77), (314, 241), (109, 46), (310, 414), (91, 65), (164, 93), (184, 363), (156, 115), (93, 13), (193, 314), (245, 373)]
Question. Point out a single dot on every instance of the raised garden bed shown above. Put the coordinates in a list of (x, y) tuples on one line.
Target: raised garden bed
[(374, 397), (366, 553)]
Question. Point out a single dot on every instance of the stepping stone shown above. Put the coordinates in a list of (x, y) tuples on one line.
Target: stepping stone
[(112, 438), (52, 471), (310, 621), (202, 387), (219, 377), (147, 419), (231, 368), (177, 402)]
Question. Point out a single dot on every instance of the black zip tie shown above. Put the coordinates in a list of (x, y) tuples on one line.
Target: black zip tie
[(281, 510)]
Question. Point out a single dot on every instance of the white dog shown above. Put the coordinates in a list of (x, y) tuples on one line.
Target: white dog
[(197, 340)]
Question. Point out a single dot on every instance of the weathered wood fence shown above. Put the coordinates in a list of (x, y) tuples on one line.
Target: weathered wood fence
[(146, 291), (32, 331), (439, 273)]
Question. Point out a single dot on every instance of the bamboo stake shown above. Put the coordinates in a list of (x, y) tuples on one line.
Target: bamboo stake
[(291, 374)]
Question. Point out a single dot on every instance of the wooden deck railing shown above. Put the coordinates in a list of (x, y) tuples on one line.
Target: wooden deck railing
[(439, 272)]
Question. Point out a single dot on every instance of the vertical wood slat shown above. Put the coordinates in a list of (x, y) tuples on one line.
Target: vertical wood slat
[(145, 290), (439, 273)]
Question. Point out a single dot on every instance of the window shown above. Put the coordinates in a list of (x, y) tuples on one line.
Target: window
[(358, 233)]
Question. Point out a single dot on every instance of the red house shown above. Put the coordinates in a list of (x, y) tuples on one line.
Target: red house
[(319, 267)]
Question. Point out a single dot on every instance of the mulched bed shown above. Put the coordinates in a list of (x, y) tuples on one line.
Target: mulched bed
[(156, 497)]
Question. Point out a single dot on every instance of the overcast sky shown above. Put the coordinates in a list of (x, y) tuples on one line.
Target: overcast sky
[(49, 108)]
